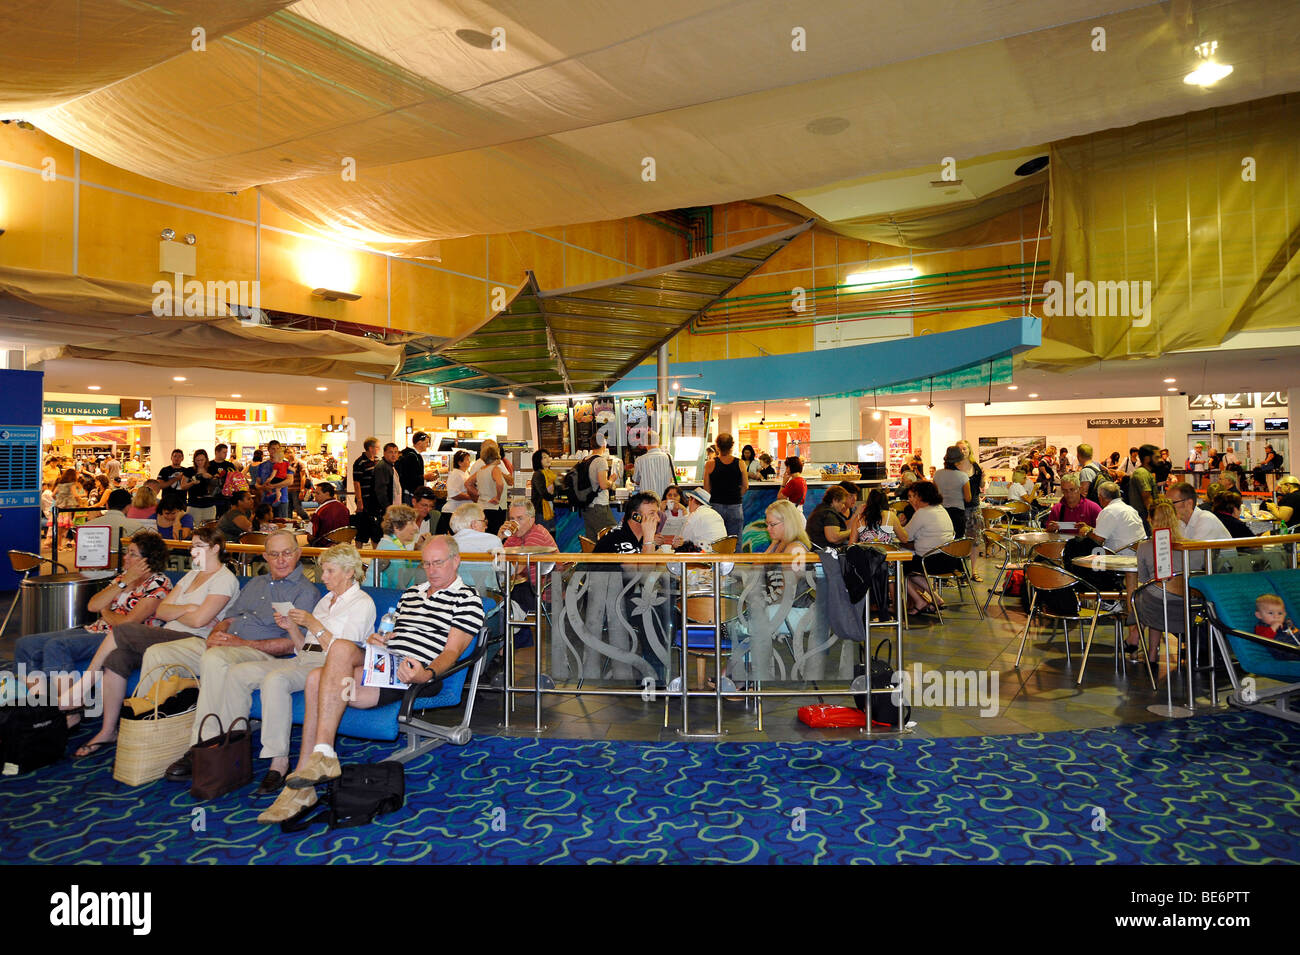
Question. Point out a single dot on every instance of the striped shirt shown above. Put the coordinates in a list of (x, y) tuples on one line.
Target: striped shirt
[(425, 617), (654, 472)]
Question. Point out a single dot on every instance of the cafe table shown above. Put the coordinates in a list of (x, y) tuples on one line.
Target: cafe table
[(1031, 539), (1126, 564)]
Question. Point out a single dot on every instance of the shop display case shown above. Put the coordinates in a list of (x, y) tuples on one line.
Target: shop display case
[(899, 447)]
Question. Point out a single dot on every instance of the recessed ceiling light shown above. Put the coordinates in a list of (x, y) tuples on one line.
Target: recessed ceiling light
[(827, 126), (1032, 166), (321, 388), (476, 38), (343, 402), (1171, 389), (1170, 381), (93, 387), (236, 396), (1013, 387), (912, 400), (179, 378), (1033, 394)]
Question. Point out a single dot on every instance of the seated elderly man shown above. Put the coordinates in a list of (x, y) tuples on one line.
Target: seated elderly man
[(469, 527), (248, 633), (1116, 527), (522, 530), (436, 622), (1073, 508)]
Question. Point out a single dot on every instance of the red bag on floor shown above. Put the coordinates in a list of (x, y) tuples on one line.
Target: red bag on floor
[(823, 715)]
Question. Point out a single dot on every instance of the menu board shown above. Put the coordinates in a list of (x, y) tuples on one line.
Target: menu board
[(606, 415), (584, 425), (638, 420), (691, 417), (553, 428)]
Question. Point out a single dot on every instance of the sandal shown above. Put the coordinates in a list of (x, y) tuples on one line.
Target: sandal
[(91, 748)]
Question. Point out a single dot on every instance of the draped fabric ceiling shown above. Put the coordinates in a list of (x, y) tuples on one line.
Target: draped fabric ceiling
[(731, 99), (114, 321), (395, 123)]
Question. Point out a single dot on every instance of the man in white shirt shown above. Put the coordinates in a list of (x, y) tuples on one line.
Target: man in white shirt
[(1133, 461), (654, 469), (115, 517), (1118, 525), (704, 525), (469, 527), (1196, 524)]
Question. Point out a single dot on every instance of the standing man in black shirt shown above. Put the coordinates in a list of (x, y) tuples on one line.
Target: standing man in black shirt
[(368, 513), (219, 467), (410, 466), (177, 476)]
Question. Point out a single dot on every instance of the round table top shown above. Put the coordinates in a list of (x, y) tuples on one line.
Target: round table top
[(1120, 562), (1040, 537), (532, 549)]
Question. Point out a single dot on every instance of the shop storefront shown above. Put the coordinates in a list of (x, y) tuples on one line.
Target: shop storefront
[(87, 430)]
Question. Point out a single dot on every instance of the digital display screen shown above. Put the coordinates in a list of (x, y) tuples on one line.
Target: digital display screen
[(1241, 424), (1202, 425), (1276, 424)]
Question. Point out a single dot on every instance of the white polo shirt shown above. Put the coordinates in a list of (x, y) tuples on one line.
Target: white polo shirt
[(1119, 525)]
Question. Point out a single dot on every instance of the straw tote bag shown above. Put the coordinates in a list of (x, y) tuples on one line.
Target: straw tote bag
[(147, 746)]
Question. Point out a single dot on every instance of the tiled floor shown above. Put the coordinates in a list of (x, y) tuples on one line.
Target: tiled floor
[(1040, 696)]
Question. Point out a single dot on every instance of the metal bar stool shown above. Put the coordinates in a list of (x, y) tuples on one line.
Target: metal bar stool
[(23, 563)]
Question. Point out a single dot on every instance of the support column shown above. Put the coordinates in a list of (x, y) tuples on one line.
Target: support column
[(370, 415), (834, 419), (947, 426), (519, 420), (180, 421), (661, 392)]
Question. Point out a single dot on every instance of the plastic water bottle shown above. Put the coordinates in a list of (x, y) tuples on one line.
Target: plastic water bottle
[(388, 623)]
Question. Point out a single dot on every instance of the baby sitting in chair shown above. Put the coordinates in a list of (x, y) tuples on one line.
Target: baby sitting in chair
[(1270, 611)]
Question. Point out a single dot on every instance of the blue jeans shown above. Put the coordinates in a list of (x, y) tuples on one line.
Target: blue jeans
[(61, 651), (733, 517)]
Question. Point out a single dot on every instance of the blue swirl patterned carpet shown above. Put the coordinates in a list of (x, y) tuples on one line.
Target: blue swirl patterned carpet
[(1215, 789)]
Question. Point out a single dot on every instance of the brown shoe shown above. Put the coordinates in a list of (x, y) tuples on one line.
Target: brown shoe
[(318, 769), (288, 804)]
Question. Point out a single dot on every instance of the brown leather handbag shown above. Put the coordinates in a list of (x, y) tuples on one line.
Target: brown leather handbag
[(224, 762)]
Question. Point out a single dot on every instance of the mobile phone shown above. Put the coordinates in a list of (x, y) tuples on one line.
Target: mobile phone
[(636, 517)]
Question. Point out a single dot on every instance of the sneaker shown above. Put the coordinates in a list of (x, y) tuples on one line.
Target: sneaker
[(1111, 606), (318, 769), (288, 804)]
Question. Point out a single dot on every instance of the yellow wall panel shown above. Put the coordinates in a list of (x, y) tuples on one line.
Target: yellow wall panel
[(27, 205), (243, 205), (436, 303), (31, 147), (119, 239), (583, 267), (467, 255), (292, 267)]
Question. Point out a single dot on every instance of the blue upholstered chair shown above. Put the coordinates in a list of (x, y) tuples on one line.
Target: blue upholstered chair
[(1230, 605)]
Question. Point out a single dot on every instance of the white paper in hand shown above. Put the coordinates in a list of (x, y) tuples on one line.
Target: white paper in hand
[(282, 607)]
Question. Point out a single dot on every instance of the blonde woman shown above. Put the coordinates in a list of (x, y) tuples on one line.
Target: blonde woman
[(1149, 606), (346, 612), (401, 527), (144, 504), (490, 480)]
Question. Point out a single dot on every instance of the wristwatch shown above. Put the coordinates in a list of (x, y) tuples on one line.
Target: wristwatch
[(121, 584), (318, 634)]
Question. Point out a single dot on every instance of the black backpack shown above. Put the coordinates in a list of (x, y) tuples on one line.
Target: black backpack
[(31, 737), (578, 482), (883, 711), (362, 792), (1092, 484)]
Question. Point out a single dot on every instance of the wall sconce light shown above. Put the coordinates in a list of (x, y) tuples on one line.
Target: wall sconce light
[(167, 234), (190, 238), (331, 295)]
